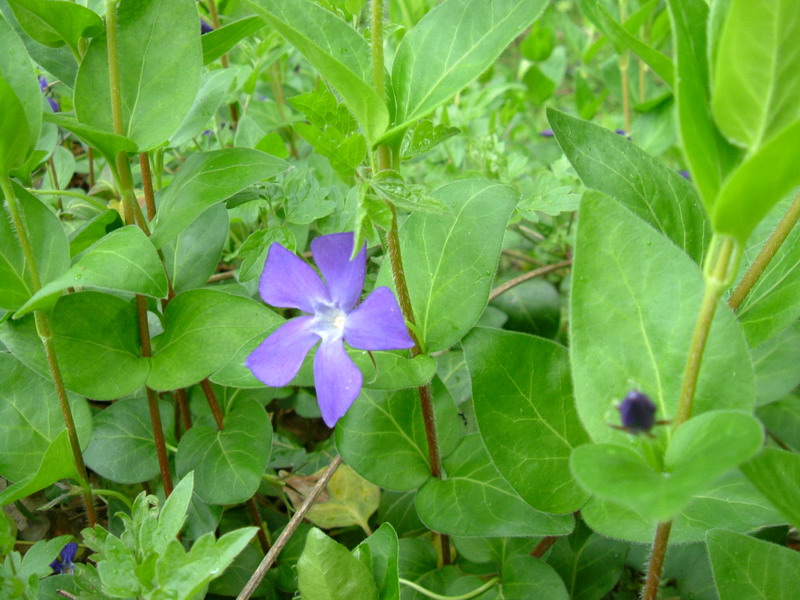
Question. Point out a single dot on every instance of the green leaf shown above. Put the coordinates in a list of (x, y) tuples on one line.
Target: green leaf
[(337, 51), (49, 244), (390, 186), (350, 499), (750, 569), (782, 419), (17, 72), (55, 23), (589, 564), (522, 390), (758, 184), (475, 500), (123, 261), (122, 448), (529, 577), (701, 450), (228, 464), (657, 194), (533, 306), (775, 364), (105, 142), (631, 324), (96, 339), (382, 436), (756, 87), (213, 89), (193, 257), (202, 330), (397, 508), (385, 550), (158, 49), (344, 153), (709, 155), (253, 251), (430, 68), (222, 40), (205, 179), (172, 514), (776, 474), (31, 420), (450, 260), (732, 502), (15, 142), (425, 136), (327, 570)]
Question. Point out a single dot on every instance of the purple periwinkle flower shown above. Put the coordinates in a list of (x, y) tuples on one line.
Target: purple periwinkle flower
[(623, 133), (685, 175), (65, 561), (44, 86), (333, 318), (205, 27), (548, 133), (637, 412)]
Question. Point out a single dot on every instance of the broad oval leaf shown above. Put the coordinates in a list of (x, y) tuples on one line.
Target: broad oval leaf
[(218, 42), (776, 474), (54, 23)]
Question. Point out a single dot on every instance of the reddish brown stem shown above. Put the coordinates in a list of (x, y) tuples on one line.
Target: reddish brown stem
[(183, 407), (544, 545), (255, 516), (213, 403), (650, 591), (147, 183)]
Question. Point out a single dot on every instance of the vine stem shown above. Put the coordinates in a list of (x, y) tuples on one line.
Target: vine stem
[(214, 13), (288, 531), (501, 289), (132, 211), (473, 594), (773, 243), (720, 269), (46, 335), (384, 162)]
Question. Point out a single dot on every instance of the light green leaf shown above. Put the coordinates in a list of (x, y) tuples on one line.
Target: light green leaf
[(54, 23), (588, 563), (122, 447), (205, 179), (172, 514), (213, 89), (14, 139), (450, 260), (474, 500), (202, 330), (782, 419), (632, 321), (158, 49), (522, 390), (337, 51), (615, 166), (253, 251), (776, 474), (756, 87), (385, 549), (105, 142), (431, 66), (529, 577), (228, 464), (193, 256), (124, 261), (327, 570), (775, 364), (222, 40), (750, 569)]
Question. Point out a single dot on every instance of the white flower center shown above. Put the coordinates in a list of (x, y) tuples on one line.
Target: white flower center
[(329, 322)]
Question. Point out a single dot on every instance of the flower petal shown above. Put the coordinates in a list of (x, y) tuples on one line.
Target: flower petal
[(337, 379), (279, 357), (344, 277), (289, 282), (377, 323)]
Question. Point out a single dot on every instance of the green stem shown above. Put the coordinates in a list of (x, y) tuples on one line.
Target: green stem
[(624, 63), (114, 494), (719, 271), (45, 333), (775, 241), (473, 594), (72, 194)]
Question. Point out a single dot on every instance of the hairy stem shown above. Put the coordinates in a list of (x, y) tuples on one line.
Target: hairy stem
[(773, 243), (45, 333), (501, 289), (656, 566)]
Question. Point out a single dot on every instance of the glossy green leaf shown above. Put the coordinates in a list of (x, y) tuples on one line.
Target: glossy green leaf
[(758, 184), (775, 364), (193, 256), (615, 166), (14, 139), (105, 142), (156, 40), (327, 570), (588, 563), (756, 90), (750, 569), (202, 330), (384, 548), (776, 474), (382, 436), (122, 448), (450, 260), (222, 40), (632, 321), (54, 23), (205, 179), (430, 68), (96, 338), (529, 577), (337, 51), (213, 89), (124, 261), (49, 244), (782, 420), (31, 420), (228, 464), (533, 306), (474, 500), (17, 72), (709, 155), (522, 390), (732, 502), (701, 450), (397, 509)]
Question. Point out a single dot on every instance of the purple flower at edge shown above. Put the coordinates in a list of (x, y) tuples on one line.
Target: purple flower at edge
[(43, 85), (205, 27), (548, 133), (637, 412), (332, 318), (685, 175), (65, 561)]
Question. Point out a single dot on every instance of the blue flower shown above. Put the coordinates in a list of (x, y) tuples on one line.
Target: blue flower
[(548, 133), (333, 318), (65, 561), (205, 27), (637, 412), (44, 86)]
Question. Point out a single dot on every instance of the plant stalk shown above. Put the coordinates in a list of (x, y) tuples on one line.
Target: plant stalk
[(215, 22)]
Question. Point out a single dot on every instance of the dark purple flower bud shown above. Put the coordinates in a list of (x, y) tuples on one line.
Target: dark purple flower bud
[(637, 412), (547, 133), (623, 133), (43, 83), (53, 104), (65, 561), (205, 27), (685, 175)]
